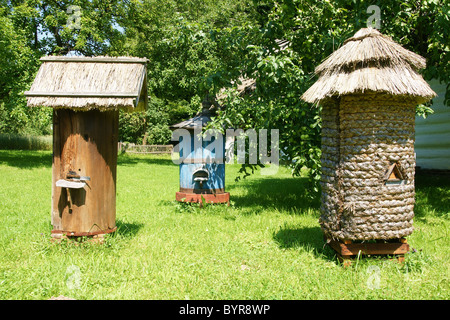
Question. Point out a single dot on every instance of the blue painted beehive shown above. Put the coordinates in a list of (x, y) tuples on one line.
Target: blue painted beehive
[(202, 163)]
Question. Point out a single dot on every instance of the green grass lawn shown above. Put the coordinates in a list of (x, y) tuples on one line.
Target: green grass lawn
[(266, 245)]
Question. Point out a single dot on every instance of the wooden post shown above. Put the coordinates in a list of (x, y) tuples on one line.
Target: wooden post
[(85, 143)]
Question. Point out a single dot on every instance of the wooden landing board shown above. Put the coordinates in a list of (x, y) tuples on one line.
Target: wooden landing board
[(70, 184)]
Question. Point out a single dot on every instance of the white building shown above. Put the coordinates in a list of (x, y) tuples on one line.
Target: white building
[(432, 145)]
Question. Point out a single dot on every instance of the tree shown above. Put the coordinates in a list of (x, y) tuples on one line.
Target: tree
[(17, 68), (87, 27), (30, 29), (184, 43), (200, 47), (178, 38), (315, 30)]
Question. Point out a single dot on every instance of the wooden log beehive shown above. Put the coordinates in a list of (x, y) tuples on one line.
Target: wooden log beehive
[(86, 94)]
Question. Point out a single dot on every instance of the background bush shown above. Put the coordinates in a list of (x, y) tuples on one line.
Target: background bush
[(28, 142)]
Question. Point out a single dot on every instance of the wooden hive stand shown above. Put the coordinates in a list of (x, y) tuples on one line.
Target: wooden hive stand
[(95, 238), (348, 250)]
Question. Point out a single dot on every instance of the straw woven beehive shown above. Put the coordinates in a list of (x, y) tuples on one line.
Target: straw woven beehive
[(368, 90)]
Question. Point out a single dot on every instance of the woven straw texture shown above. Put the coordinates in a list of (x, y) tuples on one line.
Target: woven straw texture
[(362, 136)]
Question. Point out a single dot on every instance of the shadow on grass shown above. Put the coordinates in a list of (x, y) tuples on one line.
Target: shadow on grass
[(308, 238), (25, 159), (127, 230), (130, 160), (432, 194), (279, 193)]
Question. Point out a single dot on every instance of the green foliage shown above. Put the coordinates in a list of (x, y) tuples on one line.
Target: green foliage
[(17, 69), (423, 27), (131, 127), (192, 59), (200, 47), (183, 42), (30, 29), (158, 119), (274, 104), (424, 110), (153, 125), (159, 134), (29, 142), (315, 30), (83, 26), (186, 50)]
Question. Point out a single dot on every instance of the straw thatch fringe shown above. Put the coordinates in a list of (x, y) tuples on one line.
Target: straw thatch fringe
[(370, 62), (82, 104), (90, 83)]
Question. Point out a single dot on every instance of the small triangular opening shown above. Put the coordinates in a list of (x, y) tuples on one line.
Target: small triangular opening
[(394, 175)]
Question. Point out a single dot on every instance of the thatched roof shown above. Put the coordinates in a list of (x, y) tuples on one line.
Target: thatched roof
[(84, 83), (370, 62)]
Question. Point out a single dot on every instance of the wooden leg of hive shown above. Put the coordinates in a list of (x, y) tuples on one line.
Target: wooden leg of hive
[(98, 238), (57, 237)]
